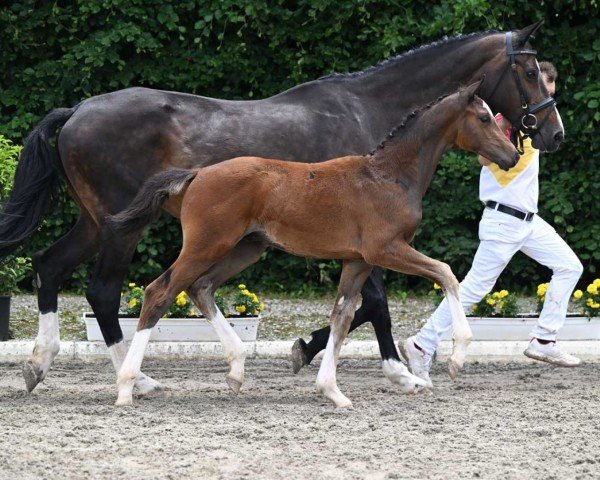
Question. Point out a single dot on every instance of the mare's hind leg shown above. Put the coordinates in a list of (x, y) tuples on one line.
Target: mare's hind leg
[(202, 291), (354, 274), (374, 309), (104, 296), (52, 266)]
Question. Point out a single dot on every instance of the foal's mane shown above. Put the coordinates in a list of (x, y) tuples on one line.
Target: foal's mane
[(444, 41), (407, 122)]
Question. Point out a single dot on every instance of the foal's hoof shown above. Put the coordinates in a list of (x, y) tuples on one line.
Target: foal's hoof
[(125, 401), (32, 375), (234, 384), (299, 355), (453, 369)]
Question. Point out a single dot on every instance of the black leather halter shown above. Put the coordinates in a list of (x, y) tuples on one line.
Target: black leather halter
[(527, 126)]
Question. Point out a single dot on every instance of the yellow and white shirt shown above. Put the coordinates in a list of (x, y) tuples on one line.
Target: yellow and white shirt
[(518, 187)]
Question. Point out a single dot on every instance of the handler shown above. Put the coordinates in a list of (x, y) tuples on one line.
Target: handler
[(509, 223)]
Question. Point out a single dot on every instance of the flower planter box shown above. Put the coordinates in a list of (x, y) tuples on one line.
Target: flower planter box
[(190, 329), (576, 327)]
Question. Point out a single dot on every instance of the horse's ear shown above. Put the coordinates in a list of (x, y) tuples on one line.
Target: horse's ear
[(471, 90), (526, 33)]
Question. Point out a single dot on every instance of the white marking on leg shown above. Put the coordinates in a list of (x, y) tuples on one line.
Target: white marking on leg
[(143, 383), (47, 342), (397, 373), (462, 334), (131, 366), (235, 352), (326, 378)]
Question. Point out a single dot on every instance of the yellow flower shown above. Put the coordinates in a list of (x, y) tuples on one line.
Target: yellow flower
[(241, 286), (181, 301), (490, 301), (542, 298), (254, 312), (240, 309), (577, 294), (474, 308), (503, 293), (131, 285), (542, 288), (500, 304), (436, 286), (254, 298), (261, 307), (246, 292), (595, 305), (589, 302), (593, 289), (496, 295), (597, 282), (133, 302)]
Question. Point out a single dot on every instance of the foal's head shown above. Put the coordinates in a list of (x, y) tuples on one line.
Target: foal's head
[(478, 131)]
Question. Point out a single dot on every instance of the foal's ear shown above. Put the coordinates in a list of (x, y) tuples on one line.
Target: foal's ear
[(470, 91), (521, 36)]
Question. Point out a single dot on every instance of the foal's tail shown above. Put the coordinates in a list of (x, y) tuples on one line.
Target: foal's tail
[(36, 177), (146, 205)]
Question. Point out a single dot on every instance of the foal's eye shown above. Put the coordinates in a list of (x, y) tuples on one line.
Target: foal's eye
[(531, 74), (485, 119)]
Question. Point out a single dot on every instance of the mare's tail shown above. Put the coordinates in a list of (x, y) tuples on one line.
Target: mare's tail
[(146, 205), (36, 178)]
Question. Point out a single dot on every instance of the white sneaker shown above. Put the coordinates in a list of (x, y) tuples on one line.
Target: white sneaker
[(551, 353), (419, 361)]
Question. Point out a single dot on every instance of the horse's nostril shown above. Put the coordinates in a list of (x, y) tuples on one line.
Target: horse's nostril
[(559, 136), (516, 157)]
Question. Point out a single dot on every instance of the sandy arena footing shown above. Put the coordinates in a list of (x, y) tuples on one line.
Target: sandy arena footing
[(499, 420)]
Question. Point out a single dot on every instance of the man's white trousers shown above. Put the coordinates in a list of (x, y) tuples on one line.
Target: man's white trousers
[(502, 236)]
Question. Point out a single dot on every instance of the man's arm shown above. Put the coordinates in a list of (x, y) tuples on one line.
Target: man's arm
[(504, 125)]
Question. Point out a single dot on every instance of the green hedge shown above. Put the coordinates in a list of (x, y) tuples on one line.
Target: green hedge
[(56, 53)]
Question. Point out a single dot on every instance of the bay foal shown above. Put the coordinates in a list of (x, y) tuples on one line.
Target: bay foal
[(363, 210)]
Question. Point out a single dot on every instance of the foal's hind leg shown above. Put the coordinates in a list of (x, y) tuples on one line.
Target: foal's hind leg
[(158, 297), (408, 260), (52, 266), (202, 291), (353, 277)]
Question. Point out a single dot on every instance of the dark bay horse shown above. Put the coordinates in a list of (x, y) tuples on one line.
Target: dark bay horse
[(110, 144), (363, 210)]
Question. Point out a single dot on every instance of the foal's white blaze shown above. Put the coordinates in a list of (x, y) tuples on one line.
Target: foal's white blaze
[(131, 366), (47, 342), (487, 107), (397, 373), (326, 378), (143, 383)]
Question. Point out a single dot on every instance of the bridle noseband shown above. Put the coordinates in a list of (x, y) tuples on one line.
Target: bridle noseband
[(527, 126)]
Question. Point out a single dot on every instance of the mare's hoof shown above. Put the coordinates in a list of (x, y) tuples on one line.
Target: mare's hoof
[(32, 375), (234, 384), (299, 355)]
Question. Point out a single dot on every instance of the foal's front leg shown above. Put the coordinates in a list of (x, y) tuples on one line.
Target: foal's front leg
[(353, 277), (406, 259)]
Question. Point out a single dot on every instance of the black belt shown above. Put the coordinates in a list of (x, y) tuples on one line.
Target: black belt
[(509, 210)]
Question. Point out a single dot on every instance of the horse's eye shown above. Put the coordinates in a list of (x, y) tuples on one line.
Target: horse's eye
[(485, 118), (531, 74)]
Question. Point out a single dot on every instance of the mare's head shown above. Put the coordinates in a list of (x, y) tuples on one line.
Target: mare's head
[(478, 131), (515, 87)]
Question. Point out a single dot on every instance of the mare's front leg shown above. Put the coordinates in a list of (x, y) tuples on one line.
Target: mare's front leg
[(406, 259), (374, 309), (354, 274)]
